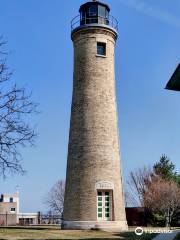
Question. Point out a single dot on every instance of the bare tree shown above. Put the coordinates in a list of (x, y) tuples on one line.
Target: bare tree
[(137, 186), (163, 196), (15, 129), (55, 198)]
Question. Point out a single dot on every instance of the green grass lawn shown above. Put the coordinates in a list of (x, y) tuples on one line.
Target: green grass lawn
[(55, 233)]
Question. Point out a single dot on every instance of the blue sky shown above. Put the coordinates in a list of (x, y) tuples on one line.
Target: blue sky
[(147, 52)]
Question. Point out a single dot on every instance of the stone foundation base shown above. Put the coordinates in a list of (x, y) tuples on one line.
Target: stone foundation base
[(112, 226)]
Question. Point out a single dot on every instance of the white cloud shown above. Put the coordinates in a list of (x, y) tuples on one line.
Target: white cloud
[(144, 7)]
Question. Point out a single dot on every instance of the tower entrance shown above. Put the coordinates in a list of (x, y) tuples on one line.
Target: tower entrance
[(104, 205)]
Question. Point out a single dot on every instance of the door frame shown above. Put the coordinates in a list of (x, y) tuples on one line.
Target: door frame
[(104, 218)]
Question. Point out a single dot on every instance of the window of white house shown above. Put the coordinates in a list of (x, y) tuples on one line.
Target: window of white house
[(11, 199)]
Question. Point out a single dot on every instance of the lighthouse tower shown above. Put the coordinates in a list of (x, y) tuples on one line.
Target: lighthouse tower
[(94, 192)]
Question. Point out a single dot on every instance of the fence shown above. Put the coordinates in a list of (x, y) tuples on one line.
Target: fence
[(29, 219), (50, 219)]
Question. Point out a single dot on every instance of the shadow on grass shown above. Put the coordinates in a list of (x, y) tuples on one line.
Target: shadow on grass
[(26, 228), (121, 237), (133, 236), (93, 238)]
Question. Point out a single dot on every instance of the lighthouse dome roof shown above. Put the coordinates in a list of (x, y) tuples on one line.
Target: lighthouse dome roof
[(87, 5)]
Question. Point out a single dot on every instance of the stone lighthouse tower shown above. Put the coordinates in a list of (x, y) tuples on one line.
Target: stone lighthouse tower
[(94, 193)]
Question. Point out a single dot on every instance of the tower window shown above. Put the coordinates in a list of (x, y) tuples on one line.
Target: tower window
[(102, 11), (101, 48), (93, 11), (11, 200)]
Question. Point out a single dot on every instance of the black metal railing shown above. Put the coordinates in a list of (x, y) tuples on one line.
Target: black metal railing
[(110, 21)]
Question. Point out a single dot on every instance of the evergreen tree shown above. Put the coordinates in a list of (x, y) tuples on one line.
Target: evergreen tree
[(166, 170)]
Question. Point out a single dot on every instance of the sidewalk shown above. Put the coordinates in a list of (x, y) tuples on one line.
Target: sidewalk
[(166, 236)]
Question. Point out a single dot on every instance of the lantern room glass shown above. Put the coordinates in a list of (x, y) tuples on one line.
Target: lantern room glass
[(94, 13)]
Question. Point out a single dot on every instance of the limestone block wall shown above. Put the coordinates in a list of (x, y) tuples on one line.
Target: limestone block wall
[(93, 151)]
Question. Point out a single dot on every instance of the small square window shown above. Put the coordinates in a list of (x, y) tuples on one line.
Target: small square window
[(99, 198), (107, 199), (100, 215), (100, 210), (99, 204), (13, 209), (101, 48), (107, 209)]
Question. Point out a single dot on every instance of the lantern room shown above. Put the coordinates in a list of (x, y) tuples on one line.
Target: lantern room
[(94, 12)]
